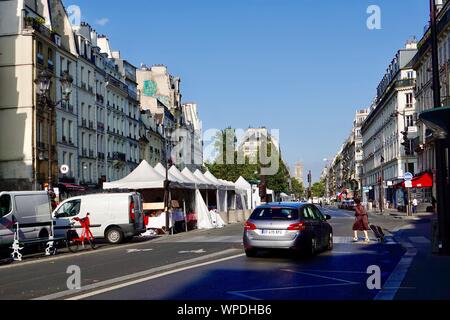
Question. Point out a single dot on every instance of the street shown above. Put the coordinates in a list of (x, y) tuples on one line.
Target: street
[(211, 265)]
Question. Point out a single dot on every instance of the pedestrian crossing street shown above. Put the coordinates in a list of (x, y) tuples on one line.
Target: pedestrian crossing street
[(238, 239)]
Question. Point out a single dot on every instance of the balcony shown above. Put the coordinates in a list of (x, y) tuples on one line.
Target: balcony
[(84, 152), (41, 145), (101, 156), (118, 156), (100, 127), (40, 58), (50, 65), (91, 125), (100, 99), (84, 123)]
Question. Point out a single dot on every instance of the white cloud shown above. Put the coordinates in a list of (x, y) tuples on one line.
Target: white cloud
[(102, 21)]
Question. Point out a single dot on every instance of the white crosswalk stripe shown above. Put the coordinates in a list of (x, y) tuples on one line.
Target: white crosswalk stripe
[(209, 239), (347, 240)]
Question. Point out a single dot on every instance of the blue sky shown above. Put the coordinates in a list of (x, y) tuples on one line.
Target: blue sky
[(301, 66)]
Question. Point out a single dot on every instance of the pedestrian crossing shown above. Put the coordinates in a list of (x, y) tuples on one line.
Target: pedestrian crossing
[(238, 239)]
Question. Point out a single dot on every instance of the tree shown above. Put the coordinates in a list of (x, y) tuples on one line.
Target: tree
[(297, 188), (278, 182), (318, 189)]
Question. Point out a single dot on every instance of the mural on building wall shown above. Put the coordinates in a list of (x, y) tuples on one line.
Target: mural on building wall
[(163, 99), (150, 88)]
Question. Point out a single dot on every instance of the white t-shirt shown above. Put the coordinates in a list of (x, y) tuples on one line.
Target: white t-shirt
[(415, 203)]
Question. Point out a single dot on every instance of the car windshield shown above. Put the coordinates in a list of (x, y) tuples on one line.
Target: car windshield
[(274, 214)]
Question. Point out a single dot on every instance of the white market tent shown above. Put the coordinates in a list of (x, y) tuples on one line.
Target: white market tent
[(246, 188), (200, 176), (143, 177), (199, 183), (222, 185), (179, 175), (173, 177)]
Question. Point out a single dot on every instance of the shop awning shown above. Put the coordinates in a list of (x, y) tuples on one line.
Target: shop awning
[(424, 180)]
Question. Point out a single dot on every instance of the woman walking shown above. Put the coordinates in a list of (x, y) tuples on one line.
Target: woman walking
[(361, 222)]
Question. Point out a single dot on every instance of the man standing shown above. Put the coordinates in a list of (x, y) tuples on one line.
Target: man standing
[(415, 203)]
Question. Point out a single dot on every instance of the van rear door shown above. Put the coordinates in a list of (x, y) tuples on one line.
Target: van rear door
[(6, 220), (138, 211)]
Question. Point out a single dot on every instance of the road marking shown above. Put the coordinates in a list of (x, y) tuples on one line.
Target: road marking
[(395, 280), (420, 240), (140, 275), (318, 276), (241, 293), (209, 239), (119, 286), (138, 250), (193, 251)]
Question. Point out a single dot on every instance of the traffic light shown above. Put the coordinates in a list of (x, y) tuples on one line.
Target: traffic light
[(406, 142), (309, 177)]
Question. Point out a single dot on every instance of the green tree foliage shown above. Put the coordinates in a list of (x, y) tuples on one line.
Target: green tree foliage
[(249, 170), (297, 188), (318, 189)]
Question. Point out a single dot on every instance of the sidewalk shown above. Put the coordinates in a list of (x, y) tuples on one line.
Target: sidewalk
[(427, 277), (402, 215)]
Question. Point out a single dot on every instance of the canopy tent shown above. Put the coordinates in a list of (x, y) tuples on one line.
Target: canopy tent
[(179, 175), (173, 177), (245, 187), (220, 183), (204, 179), (143, 177), (199, 183)]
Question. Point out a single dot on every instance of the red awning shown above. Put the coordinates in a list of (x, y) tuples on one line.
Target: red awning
[(423, 181)]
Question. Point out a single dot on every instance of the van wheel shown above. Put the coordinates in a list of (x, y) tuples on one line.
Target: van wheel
[(114, 235)]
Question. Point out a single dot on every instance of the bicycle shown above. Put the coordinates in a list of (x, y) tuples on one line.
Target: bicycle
[(74, 241)]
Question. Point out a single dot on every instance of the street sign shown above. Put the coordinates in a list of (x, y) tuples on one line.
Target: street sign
[(64, 169), (408, 176), (408, 184)]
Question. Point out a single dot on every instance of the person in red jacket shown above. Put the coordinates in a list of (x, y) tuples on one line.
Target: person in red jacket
[(361, 221)]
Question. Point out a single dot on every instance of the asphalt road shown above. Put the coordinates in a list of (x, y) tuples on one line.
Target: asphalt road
[(209, 265)]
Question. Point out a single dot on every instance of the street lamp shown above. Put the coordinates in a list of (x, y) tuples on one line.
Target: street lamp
[(43, 81), (169, 163)]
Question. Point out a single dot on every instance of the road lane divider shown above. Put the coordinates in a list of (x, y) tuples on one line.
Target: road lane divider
[(142, 276)]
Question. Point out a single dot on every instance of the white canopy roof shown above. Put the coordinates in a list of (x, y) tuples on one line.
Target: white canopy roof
[(178, 174), (198, 182), (143, 177), (173, 177), (204, 179), (228, 184), (241, 183), (221, 183)]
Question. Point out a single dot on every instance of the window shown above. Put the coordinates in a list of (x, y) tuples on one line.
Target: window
[(410, 121), (275, 214), (5, 205), (69, 209), (409, 100)]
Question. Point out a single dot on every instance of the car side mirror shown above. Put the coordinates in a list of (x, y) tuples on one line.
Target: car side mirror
[(327, 217)]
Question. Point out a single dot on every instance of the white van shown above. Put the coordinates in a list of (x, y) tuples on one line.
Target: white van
[(117, 217), (25, 208)]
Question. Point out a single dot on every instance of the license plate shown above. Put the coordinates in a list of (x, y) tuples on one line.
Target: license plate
[(272, 233)]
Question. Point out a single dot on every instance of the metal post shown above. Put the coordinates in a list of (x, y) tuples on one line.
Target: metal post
[(50, 187), (441, 172), (166, 197)]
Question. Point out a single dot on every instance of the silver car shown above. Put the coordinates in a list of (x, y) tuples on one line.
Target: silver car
[(300, 227)]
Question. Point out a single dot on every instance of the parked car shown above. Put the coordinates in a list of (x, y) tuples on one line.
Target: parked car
[(350, 205), (117, 217), (31, 207), (300, 227)]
